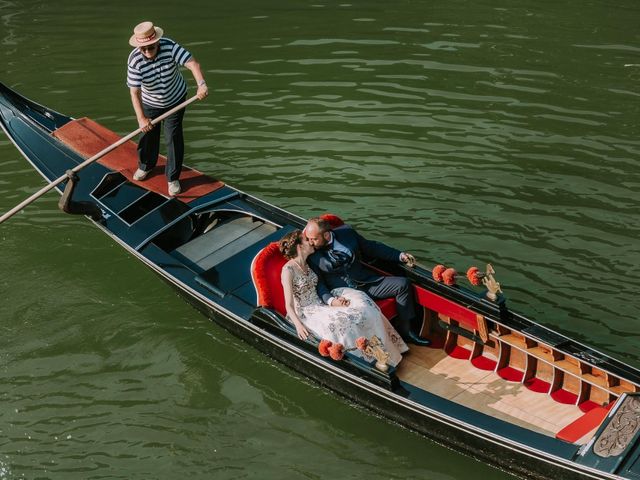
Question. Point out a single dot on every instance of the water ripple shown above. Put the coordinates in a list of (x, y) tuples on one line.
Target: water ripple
[(509, 137)]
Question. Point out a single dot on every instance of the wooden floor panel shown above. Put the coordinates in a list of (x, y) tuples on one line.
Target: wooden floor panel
[(459, 381)]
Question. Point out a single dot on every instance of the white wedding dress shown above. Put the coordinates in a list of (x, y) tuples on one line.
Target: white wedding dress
[(362, 318)]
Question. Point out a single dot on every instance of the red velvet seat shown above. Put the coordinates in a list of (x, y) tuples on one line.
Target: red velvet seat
[(265, 272), (334, 220), (267, 267), (388, 307), (583, 425)]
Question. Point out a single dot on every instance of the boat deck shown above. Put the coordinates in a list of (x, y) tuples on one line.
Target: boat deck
[(89, 138), (457, 380)]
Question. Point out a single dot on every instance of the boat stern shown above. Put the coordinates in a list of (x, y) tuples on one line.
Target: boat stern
[(615, 448)]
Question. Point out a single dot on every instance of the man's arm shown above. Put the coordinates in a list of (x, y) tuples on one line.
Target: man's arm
[(194, 66), (373, 249), (136, 100)]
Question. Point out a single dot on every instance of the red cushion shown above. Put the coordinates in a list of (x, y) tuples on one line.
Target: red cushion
[(462, 315), (459, 352), (334, 220), (564, 396), (388, 307), (583, 425), (588, 405), (537, 385), (266, 269), (511, 374), (484, 363)]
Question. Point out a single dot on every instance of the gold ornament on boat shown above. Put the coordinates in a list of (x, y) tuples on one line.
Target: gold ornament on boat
[(374, 348), (490, 283), (621, 430)]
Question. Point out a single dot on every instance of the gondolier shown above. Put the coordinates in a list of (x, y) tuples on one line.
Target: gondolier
[(156, 85)]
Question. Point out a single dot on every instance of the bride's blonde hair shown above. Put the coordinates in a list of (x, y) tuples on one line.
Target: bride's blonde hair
[(288, 244)]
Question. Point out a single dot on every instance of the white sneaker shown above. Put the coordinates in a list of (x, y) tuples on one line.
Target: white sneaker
[(140, 174), (174, 188)]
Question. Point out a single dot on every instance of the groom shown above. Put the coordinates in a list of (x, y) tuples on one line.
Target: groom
[(337, 263)]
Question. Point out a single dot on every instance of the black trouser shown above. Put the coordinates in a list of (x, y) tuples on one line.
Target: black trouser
[(400, 288), (149, 144)]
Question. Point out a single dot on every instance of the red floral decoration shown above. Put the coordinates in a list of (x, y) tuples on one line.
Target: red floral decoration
[(361, 343), (324, 348), (436, 273), (449, 276), (336, 351), (473, 277)]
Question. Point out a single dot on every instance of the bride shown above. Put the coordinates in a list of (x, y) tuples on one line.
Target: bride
[(360, 317)]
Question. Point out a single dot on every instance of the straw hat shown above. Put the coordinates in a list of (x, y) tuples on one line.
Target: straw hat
[(145, 33)]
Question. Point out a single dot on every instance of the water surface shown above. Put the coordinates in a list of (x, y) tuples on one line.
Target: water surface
[(464, 132)]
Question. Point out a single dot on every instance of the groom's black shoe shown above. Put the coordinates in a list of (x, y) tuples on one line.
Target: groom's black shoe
[(416, 340)]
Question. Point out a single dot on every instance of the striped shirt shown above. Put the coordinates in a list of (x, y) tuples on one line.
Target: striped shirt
[(160, 79)]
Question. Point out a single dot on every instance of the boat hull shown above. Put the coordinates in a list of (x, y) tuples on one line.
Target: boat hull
[(509, 456), (167, 235)]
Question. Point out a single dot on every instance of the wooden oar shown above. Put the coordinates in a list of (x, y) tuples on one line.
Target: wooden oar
[(89, 161)]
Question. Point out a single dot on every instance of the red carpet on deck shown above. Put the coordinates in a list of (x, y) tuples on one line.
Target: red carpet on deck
[(88, 138), (459, 352), (588, 406), (563, 396), (583, 425), (484, 363), (511, 374), (537, 385)]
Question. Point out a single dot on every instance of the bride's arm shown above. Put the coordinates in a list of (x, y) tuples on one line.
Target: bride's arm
[(287, 285)]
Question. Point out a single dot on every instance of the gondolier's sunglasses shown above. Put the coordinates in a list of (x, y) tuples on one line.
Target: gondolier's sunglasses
[(149, 48)]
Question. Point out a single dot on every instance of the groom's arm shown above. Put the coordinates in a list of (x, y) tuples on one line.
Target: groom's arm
[(373, 249)]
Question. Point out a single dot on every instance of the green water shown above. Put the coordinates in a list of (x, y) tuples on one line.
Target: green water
[(465, 132)]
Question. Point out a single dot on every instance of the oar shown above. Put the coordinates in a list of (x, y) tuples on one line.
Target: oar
[(89, 161)]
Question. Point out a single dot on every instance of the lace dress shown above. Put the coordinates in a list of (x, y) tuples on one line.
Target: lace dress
[(362, 318)]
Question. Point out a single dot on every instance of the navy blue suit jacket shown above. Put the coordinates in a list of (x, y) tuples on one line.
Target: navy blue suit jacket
[(333, 273)]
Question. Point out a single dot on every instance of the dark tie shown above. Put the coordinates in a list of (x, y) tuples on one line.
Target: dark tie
[(338, 258)]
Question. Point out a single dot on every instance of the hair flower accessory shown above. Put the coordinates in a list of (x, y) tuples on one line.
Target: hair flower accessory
[(361, 343)]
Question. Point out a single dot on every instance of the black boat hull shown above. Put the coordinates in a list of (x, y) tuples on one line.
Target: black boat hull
[(223, 291)]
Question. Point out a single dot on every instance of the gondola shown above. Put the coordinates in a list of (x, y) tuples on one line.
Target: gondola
[(493, 384)]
